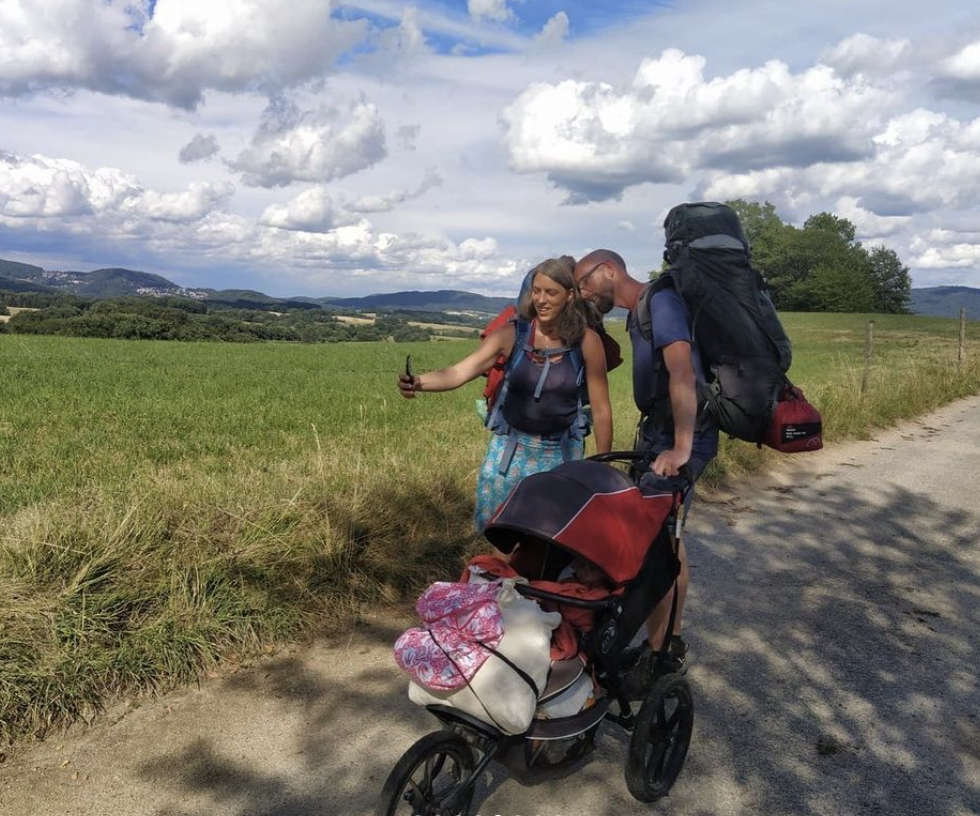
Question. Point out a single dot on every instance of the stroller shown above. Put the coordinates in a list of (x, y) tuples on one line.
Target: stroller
[(587, 509)]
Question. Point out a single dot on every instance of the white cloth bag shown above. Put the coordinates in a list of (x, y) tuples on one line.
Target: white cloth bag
[(497, 694)]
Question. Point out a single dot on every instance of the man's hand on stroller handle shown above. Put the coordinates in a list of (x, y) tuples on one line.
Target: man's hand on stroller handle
[(670, 462)]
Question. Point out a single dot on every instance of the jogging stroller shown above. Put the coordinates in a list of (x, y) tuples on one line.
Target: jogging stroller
[(592, 510)]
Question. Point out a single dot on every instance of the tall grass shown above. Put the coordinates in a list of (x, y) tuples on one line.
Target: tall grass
[(165, 508)]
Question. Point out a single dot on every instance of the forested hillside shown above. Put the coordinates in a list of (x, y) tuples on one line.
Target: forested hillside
[(946, 301), (173, 318)]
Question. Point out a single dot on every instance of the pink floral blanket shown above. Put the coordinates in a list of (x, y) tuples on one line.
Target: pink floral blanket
[(445, 652)]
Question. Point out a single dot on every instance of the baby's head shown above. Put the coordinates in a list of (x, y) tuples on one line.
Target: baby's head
[(586, 572)]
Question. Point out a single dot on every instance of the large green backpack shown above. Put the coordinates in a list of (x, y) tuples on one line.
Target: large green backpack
[(743, 346)]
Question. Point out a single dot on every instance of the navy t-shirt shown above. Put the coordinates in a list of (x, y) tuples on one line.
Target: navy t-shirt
[(670, 321)]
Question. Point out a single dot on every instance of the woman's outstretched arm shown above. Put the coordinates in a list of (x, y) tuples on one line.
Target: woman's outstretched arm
[(469, 368)]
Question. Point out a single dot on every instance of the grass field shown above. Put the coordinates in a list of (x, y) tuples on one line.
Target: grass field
[(166, 506)]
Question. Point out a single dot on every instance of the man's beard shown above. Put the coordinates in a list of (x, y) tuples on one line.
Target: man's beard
[(604, 303)]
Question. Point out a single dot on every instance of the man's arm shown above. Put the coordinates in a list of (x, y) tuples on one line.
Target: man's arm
[(684, 406)]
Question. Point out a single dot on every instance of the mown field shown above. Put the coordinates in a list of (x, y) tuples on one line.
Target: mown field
[(165, 507)]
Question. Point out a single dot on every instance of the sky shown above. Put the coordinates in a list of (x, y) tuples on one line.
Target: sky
[(320, 148)]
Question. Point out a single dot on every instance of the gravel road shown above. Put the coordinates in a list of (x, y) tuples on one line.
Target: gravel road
[(834, 623)]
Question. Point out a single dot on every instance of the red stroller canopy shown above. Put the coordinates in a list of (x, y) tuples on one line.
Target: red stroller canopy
[(588, 508)]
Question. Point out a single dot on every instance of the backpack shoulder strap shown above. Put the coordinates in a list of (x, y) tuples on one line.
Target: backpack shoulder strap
[(578, 362), (522, 335), (644, 321)]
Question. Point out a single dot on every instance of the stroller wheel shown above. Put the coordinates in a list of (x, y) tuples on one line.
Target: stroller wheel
[(430, 779), (660, 739)]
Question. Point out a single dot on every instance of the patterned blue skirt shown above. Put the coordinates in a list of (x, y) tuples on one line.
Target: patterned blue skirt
[(532, 455)]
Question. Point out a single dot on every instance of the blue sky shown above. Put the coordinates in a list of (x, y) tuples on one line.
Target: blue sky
[(320, 148)]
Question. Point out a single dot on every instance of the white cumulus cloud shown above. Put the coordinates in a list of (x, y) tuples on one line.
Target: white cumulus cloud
[(554, 31), (40, 187), (868, 225), (310, 211), (965, 64), (200, 148), (953, 256), (318, 146), (193, 204), (385, 202), (308, 237), (495, 10), (185, 48), (864, 54), (594, 140), (43, 187)]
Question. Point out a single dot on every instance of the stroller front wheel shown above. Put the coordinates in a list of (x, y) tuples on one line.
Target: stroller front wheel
[(431, 779), (658, 746)]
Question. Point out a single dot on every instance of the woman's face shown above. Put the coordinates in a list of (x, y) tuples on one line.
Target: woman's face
[(548, 297)]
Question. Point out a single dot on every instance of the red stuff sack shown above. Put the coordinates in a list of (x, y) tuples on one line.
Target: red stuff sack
[(796, 426), (495, 374)]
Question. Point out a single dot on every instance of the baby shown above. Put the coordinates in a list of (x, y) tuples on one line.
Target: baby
[(583, 571)]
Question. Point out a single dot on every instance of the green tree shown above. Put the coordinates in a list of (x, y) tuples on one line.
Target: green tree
[(890, 281), (822, 266), (764, 229), (832, 225), (839, 288)]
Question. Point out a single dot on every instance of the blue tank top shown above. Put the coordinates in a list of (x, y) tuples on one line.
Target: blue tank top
[(554, 411)]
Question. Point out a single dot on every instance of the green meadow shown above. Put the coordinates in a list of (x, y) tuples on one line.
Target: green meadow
[(169, 507)]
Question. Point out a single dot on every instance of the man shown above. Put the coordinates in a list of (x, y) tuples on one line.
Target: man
[(666, 372)]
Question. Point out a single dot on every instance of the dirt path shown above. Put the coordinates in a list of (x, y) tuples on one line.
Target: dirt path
[(835, 624)]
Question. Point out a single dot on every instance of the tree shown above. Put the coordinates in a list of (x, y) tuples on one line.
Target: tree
[(832, 225), (839, 289), (890, 281), (763, 227), (822, 266)]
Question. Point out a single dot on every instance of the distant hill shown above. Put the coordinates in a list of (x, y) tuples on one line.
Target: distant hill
[(456, 305), (444, 300), (946, 301), (117, 282), (20, 271), (250, 299), (107, 283), (102, 283)]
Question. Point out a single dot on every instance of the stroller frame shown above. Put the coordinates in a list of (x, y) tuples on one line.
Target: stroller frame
[(438, 774)]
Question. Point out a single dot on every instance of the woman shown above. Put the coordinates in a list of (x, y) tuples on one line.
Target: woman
[(533, 424)]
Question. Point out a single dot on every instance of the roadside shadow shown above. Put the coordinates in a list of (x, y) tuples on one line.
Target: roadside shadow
[(839, 630)]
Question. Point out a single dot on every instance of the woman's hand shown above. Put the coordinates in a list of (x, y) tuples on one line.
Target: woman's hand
[(407, 386)]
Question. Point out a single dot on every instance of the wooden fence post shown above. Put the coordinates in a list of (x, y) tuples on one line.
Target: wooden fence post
[(959, 354), (869, 339)]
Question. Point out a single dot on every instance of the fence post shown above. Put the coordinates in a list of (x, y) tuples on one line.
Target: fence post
[(959, 354), (869, 339)]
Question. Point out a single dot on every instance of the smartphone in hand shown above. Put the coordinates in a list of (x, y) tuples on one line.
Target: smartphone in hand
[(406, 381)]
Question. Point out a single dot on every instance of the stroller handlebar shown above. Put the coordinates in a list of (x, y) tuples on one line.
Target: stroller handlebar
[(683, 481), (580, 603)]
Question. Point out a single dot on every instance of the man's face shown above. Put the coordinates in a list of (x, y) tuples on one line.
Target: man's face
[(595, 284)]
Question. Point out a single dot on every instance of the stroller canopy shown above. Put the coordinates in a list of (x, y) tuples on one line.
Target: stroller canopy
[(588, 508)]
